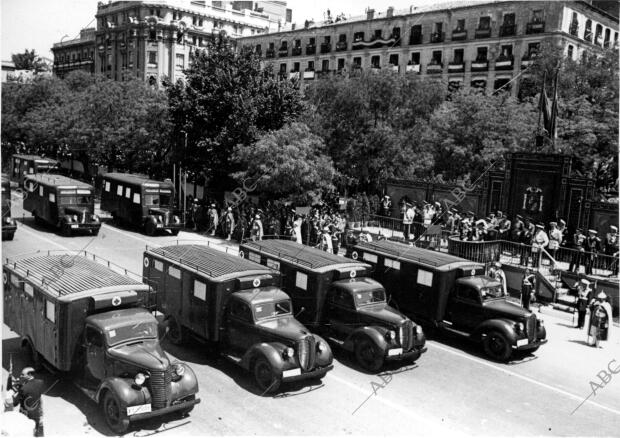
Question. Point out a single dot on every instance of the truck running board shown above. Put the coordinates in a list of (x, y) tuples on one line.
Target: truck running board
[(336, 341), (232, 358), (447, 325)]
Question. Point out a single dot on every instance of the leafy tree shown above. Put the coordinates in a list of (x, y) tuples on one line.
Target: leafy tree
[(288, 164), (226, 99), (29, 60)]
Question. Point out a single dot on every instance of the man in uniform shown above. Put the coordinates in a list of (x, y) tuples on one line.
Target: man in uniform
[(26, 393), (517, 229), (503, 226), (539, 242), (527, 286), (408, 215), (611, 249), (578, 246), (229, 223), (593, 246), (555, 239)]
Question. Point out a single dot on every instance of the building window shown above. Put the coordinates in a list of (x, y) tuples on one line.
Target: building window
[(598, 36), (358, 36), (481, 55), (436, 59), (152, 34), (532, 49), (537, 16), (296, 66), (509, 19), (375, 61), (458, 56), (283, 68), (342, 38), (587, 33), (180, 61), (357, 61), (152, 57), (310, 66), (394, 59), (415, 58), (378, 34), (570, 52), (340, 64), (416, 34), (325, 65), (460, 25), (485, 23)]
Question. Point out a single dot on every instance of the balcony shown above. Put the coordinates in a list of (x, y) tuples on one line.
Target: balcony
[(598, 40), (438, 37), (310, 49), (483, 33), (394, 68), (434, 68), (527, 60), (415, 38), (282, 51), (508, 30), (504, 63), (480, 65), (323, 74), (309, 74), (341, 46), (587, 36), (535, 27), (293, 75), (282, 75), (573, 29), (326, 47), (375, 69), (456, 67), (459, 35), (295, 52), (270, 53), (607, 44), (412, 68)]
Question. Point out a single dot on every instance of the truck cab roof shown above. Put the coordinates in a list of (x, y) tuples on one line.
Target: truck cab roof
[(130, 178), (120, 317), (356, 285), (268, 294), (58, 181), (33, 157), (478, 281), (304, 256)]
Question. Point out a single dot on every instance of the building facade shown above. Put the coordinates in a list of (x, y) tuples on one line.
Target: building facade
[(484, 45), (152, 40)]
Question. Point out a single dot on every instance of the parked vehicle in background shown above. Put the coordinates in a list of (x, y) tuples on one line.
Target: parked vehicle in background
[(141, 202), (65, 203), (236, 306), (335, 297), (23, 165), (8, 223), (452, 294), (88, 320)]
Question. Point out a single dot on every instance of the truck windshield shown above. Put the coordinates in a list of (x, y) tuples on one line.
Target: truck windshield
[(269, 310), (157, 200), (369, 297), (139, 330), (491, 292), (76, 199)]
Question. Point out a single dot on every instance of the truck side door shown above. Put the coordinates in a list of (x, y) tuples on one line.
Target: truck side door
[(240, 326), (95, 354), (342, 318), (464, 308)]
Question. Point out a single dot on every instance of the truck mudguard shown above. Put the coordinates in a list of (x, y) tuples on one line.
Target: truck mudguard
[(127, 393), (188, 384), (504, 326), (271, 352), (375, 334)]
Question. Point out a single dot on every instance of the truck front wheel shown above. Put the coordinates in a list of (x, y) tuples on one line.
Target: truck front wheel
[(368, 355), (115, 418), (149, 228), (497, 346), (265, 377)]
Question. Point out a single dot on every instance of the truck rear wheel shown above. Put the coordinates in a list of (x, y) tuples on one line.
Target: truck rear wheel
[(265, 377), (497, 346), (368, 355), (115, 418)]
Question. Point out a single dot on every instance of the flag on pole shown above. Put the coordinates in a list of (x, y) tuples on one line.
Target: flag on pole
[(553, 129), (549, 108)]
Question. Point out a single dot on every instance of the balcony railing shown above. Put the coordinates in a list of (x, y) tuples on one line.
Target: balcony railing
[(326, 47), (341, 46), (293, 75), (504, 63), (508, 30), (270, 53), (415, 38), (309, 74), (438, 37), (588, 36), (598, 40), (527, 60), (310, 49), (574, 28), (479, 65), (434, 68), (535, 27), (296, 51), (324, 73), (412, 68), (282, 51), (483, 33), (456, 67), (459, 35)]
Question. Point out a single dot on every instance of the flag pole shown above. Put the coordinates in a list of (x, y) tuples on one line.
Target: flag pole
[(554, 112)]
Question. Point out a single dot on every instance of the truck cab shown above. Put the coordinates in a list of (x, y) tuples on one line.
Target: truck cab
[(65, 203), (89, 321), (141, 202), (236, 306), (452, 294), (336, 298), (8, 223)]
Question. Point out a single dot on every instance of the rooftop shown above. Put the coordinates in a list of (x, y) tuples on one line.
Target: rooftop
[(130, 178), (58, 180)]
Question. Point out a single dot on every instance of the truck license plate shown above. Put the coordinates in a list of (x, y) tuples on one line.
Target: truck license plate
[(291, 373), (74, 226), (395, 351), (159, 225), (140, 409), (521, 342)]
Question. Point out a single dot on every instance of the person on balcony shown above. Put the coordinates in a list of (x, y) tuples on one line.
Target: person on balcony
[(579, 250), (600, 325), (503, 231), (555, 239), (517, 229), (480, 231), (593, 247), (539, 242), (408, 215), (584, 293), (611, 249)]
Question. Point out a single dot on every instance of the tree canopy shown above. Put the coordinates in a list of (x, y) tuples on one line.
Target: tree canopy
[(29, 60)]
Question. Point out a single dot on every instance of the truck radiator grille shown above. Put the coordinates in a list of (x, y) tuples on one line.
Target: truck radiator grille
[(160, 388), (406, 335), (531, 328), (306, 349)]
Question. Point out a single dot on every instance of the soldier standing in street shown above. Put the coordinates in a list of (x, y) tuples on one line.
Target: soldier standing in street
[(583, 298), (256, 232), (229, 223), (26, 393), (527, 286), (578, 245)]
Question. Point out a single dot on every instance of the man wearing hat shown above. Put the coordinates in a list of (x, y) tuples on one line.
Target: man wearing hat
[(26, 393), (386, 206), (527, 287), (540, 241), (600, 324), (611, 249), (517, 229), (593, 247), (503, 228), (229, 223), (579, 250), (408, 215), (555, 239), (480, 230), (256, 229), (496, 272), (213, 219), (584, 293)]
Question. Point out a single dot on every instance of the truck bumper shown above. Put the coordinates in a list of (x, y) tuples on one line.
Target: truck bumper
[(164, 411), (8, 231), (317, 372), (537, 343), (412, 355), (85, 227)]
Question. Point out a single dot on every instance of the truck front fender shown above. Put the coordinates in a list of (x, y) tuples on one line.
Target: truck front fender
[(128, 394), (272, 352), (187, 385), (375, 334), (504, 326), (325, 357)]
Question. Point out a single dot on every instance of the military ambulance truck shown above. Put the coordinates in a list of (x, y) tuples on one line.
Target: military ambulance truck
[(452, 294), (23, 165), (341, 302), (8, 223), (141, 202), (65, 203), (236, 306), (89, 322)]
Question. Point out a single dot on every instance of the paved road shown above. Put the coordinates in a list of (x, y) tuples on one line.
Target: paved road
[(452, 389)]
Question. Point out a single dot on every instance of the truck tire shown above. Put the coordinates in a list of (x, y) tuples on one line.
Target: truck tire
[(65, 229), (95, 231), (265, 378), (174, 232), (112, 409), (368, 355), (497, 346), (149, 228)]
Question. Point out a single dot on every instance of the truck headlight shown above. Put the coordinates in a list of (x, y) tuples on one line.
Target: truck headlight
[(179, 369), (390, 335), (74, 217), (95, 218), (541, 323), (519, 327), (288, 352), (176, 219), (418, 330), (139, 379), (321, 347), (7, 220)]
